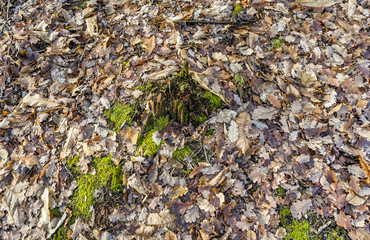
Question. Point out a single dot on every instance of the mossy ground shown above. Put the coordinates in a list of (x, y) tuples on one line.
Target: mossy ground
[(307, 228), (146, 145), (121, 114), (107, 175)]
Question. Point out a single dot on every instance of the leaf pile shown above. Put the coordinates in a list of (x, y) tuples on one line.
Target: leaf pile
[(294, 133)]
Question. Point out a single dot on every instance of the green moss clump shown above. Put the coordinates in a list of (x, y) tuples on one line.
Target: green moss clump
[(55, 213), (180, 153), (107, 175), (120, 114), (296, 230), (61, 234), (238, 8), (72, 164), (214, 100), (277, 42), (299, 230), (146, 143), (210, 132), (281, 192), (201, 118)]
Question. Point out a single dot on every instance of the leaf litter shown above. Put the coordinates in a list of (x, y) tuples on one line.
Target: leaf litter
[(293, 132)]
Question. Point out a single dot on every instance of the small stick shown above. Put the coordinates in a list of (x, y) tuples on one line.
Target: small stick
[(54, 230), (203, 22), (205, 153), (323, 227)]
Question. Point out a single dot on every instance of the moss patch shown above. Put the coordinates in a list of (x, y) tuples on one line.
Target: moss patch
[(182, 99), (146, 145), (308, 228), (120, 114), (180, 153), (277, 42), (107, 175), (61, 234)]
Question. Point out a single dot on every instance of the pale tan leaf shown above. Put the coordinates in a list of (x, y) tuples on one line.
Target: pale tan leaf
[(162, 219), (37, 100), (146, 231), (178, 192), (273, 100), (299, 208), (150, 43), (170, 235), (191, 215), (244, 124), (317, 3), (92, 26), (263, 113), (232, 132), (70, 142), (355, 199)]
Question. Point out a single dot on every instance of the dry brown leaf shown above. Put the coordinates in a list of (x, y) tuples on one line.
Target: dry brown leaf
[(300, 207), (170, 235), (192, 215), (273, 100), (70, 142), (335, 109), (92, 26), (37, 100), (150, 43), (178, 192), (244, 124)]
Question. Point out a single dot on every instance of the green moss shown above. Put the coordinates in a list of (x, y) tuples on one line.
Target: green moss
[(83, 5), (296, 230), (201, 118), (61, 234), (180, 153), (238, 8), (280, 192), (239, 79), (146, 145), (72, 164), (145, 88), (210, 132), (299, 230), (106, 175), (214, 100), (120, 114), (276, 42), (56, 213)]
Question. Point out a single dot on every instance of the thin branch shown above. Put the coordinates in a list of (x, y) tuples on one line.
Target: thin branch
[(204, 22), (54, 230)]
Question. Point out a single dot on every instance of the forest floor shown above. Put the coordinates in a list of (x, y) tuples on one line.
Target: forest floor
[(126, 119)]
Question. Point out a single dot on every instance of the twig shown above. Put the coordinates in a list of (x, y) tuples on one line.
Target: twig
[(205, 153), (204, 22), (54, 230), (7, 18), (325, 226)]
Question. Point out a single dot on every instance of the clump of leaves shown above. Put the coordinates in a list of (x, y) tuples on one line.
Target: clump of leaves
[(120, 114), (107, 175)]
